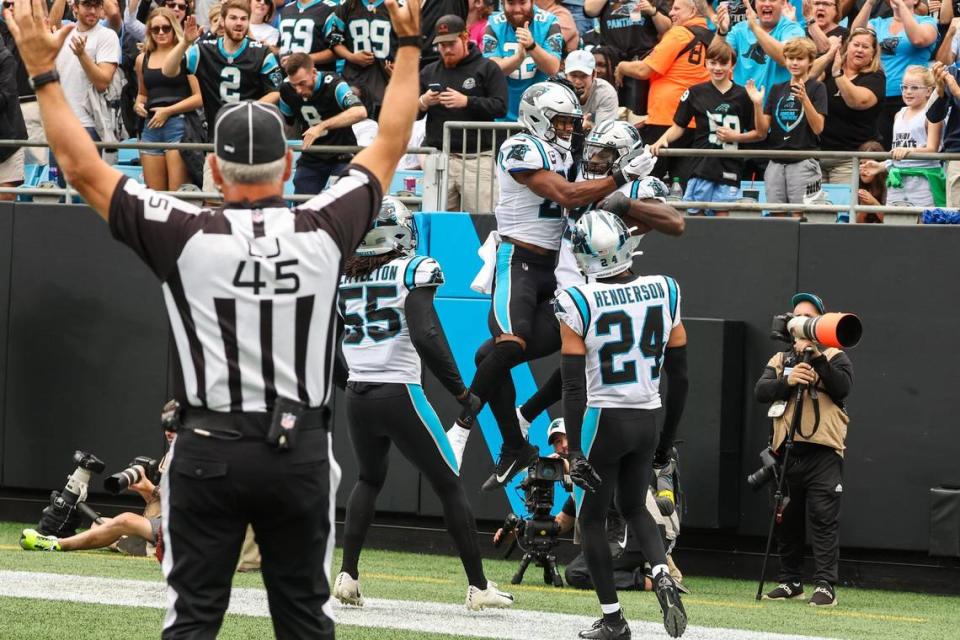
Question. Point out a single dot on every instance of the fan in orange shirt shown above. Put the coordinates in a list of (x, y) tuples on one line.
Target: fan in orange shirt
[(677, 63)]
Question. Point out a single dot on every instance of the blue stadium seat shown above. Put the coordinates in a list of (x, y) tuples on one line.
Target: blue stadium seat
[(128, 157), (32, 173), (134, 172)]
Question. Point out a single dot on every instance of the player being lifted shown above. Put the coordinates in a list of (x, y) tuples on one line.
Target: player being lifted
[(617, 332), (386, 301), (534, 171)]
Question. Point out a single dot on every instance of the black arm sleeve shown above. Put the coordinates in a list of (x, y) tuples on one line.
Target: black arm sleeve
[(770, 388), (340, 369), (573, 369), (675, 366), (836, 375), (429, 340), (938, 110)]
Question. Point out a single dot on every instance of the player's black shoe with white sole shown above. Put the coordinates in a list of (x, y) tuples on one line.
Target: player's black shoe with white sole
[(606, 631), (511, 462), (674, 617)]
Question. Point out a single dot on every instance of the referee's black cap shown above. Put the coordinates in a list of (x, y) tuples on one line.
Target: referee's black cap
[(249, 133)]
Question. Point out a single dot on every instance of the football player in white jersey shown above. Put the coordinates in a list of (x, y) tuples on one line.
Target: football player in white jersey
[(618, 332), (534, 171), (390, 324)]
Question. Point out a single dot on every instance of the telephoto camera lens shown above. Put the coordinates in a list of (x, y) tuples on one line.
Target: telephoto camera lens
[(120, 481)]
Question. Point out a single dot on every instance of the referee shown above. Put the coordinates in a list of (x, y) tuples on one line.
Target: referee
[(250, 291)]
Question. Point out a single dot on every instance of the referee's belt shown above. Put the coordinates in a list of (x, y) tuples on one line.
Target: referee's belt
[(247, 424)]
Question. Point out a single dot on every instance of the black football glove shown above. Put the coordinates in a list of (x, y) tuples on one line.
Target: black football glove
[(471, 406), (582, 472), (617, 204)]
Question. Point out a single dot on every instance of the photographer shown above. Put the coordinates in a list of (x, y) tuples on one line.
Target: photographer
[(813, 474)]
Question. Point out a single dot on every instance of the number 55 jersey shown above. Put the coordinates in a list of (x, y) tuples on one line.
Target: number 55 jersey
[(625, 326), (376, 339)]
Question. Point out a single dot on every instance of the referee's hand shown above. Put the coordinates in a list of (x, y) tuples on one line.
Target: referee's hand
[(38, 46), (404, 16)]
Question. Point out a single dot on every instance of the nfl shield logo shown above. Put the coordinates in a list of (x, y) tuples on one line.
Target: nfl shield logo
[(288, 421)]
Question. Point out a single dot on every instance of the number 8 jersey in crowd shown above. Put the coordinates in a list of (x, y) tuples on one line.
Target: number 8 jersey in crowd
[(522, 214), (376, 340), (625, 326)]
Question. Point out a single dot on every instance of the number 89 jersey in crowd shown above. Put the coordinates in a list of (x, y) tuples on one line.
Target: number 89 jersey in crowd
[(376, 340), (625, 326)]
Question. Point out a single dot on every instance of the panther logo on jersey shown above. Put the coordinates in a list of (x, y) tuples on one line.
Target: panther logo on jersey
[(518, 152)]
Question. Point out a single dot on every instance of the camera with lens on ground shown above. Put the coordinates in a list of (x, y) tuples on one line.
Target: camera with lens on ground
[(538, 535), (139, 468), (62, 516)]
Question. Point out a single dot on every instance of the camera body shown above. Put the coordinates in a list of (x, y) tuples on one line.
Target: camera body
[(139, 467), (62, 516), (769, 470), (538, 486)]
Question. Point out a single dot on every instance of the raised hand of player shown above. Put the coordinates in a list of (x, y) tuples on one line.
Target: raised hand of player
[(38, 46), (190, 29), (471, 406), (635, 165), (582, 473), (404, 16)]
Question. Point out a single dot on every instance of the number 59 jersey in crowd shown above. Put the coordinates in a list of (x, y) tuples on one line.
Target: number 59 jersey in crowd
[(625, 326), (376, 339), (522, 214)]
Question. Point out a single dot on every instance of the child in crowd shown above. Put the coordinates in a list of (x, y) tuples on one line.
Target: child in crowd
[(793, 117), (724, 118), (873, 184), (919, 183)]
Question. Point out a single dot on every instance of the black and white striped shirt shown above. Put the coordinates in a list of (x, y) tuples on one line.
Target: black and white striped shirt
[(251, 288)]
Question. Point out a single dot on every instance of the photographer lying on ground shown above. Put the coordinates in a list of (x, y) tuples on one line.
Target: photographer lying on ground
[(630, 567)]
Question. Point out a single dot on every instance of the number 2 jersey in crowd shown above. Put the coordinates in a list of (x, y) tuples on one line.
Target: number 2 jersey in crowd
[(249, 73), (625, 326), (522, 214), (376, 339)]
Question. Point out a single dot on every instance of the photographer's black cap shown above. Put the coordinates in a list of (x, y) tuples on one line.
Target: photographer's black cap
[(808, 297), (249, 133)]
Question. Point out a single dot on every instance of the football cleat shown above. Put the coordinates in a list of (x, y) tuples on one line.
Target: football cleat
[(32, 540), (511, 462), (347, 590), (489, 598)]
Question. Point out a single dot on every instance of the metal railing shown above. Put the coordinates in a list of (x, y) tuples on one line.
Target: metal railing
[(469, 153), (744, 206), (70, 194)]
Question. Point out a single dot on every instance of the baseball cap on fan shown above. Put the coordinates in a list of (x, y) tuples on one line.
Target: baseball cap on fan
[(580, 60), (449, 28), (249, 133)]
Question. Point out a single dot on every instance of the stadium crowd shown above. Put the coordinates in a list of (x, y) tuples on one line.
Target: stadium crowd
[(800, 75)]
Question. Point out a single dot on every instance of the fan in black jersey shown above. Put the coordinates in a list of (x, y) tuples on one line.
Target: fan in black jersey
[(229, 69), (724, 117), (302, 30), (323, 107), (360, 33)]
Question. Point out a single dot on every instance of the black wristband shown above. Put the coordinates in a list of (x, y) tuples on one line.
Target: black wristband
[(531, 47), (41, 79), (410, 41), (619, 179)]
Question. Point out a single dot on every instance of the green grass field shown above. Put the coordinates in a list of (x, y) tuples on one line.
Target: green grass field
[(407, 576)]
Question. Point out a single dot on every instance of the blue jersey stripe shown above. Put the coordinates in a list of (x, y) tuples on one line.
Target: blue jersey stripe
[(409, 275), (501, 291), (581, 301), (430, 420), (588, 435), (672, 289)]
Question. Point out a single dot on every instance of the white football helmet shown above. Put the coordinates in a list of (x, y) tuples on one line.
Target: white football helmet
[(392, 229), (608, 142), (544, 101), (602, 244)]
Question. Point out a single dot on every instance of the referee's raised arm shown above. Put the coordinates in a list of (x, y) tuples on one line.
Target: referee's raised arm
[(76, 154), (400, 106)]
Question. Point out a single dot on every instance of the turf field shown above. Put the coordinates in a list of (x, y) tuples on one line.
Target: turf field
[(45, 607)]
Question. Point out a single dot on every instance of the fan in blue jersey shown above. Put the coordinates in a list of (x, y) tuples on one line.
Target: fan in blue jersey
[(302, 25), (525, 41), (359, 32), (386, 301), (534, 169), (618, 333), (324, 108)]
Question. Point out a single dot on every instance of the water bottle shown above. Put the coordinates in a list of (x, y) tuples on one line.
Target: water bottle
[(676, 193)]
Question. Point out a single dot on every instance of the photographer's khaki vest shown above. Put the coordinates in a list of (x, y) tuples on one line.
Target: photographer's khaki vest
[(833, 420)]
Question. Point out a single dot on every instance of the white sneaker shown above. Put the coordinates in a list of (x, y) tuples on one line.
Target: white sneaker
[(524, 423), (458, 436), (347, 590), (489, 598)]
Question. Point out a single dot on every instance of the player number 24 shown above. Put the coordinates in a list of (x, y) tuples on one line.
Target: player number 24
[(650, 345)]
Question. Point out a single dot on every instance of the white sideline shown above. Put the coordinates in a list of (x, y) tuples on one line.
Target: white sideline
[(453, 619)]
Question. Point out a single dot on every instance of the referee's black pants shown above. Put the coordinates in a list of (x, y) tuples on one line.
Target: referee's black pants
[(211, 491), (619, 444), (815, 486), (383, 413)]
